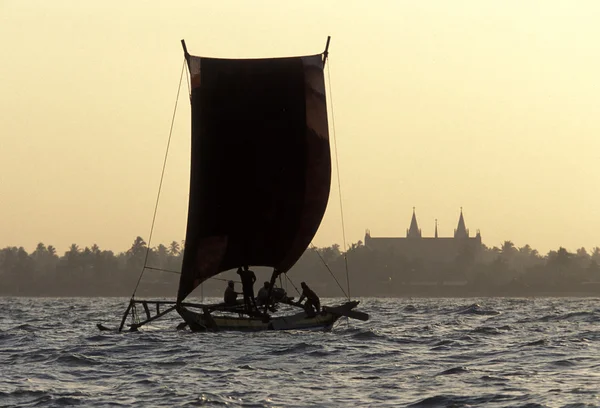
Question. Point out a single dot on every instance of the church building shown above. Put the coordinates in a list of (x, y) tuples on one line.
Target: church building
[(436, 249)]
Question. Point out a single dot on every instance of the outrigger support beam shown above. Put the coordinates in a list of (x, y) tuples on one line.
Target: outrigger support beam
[(135, 326), (131, 304), (131, 310), (149, 317)]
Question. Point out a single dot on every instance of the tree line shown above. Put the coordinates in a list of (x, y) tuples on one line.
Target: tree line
[(490, 271)]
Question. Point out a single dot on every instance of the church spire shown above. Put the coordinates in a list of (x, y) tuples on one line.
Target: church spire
[(461, 231), (413, 231)]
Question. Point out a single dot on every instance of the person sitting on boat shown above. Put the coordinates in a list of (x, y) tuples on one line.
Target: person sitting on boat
[(312, 306), (248, 278), (262, 297), (230, 296)]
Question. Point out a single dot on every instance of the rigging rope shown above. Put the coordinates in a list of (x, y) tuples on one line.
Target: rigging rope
[(163, 270), (289, 280), (179, 273), (337, 166), (162, 175), (330, 271)]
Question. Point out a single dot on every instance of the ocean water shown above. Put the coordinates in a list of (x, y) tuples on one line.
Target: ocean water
[(494, 352)]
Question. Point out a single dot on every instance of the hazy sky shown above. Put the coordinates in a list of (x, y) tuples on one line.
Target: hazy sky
[(489, 105)]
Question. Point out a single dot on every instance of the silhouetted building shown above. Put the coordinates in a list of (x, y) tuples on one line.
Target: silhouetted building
[(431, 249)]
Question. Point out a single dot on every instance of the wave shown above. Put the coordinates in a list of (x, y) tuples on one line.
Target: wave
[(76, 359), (369, 377), (490, 330), (209, 399), (25, 327), (455, 370), (541, 342), (22, 393), (476, 309), (445, 343), (574, 316), (563, 363), (368, 334), (298, 348), (461, 400), (493, 379)]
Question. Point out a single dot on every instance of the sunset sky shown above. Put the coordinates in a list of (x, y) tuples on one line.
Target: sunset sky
[(493, 106)]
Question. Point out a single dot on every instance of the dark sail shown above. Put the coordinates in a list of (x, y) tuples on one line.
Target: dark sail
[(260, 167)]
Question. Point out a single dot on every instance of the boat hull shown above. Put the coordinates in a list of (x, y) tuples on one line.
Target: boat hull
[(199, 321)]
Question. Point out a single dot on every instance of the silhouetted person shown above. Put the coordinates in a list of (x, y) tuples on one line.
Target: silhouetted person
[(248, 278), (262, 297), (312, 306), (230, 296)]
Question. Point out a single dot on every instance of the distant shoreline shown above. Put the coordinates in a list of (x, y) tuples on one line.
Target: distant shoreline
[(492, 272)]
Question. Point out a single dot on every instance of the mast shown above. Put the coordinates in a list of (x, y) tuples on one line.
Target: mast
[(326, 52), (186, 54)]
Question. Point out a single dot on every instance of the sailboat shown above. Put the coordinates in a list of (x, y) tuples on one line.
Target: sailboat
[(259, 186)]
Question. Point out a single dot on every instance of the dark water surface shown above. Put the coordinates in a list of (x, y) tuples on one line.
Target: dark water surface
[(413, 352)]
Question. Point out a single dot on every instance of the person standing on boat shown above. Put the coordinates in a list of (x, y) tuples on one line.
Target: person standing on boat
[(248, 278), (312, 306), (230, 296)]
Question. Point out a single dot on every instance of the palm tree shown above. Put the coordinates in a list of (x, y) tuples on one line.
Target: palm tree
[(562, 257), (160, 256), (525, 250), (45, 261), (175, 256), (39, 256), (73, 249), (582, 258), (40, 249), (136, 255), (559, 261), (139, 246), (527, 257), (72, 258), (8, 262), (329, 254), (174, 248), (508, 249)]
